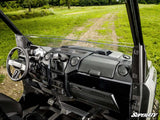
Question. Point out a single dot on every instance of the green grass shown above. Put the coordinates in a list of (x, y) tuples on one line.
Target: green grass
[(106, 29), (2, 78)]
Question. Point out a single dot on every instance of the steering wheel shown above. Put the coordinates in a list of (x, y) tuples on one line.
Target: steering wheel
[(17, 63)]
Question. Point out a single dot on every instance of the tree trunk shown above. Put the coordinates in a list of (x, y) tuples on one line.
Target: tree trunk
[(30, 8), (68, 3), (29, 5), (59, 3), (110, 2)]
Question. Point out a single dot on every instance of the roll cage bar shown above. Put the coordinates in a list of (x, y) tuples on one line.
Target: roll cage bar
[(139, 60)]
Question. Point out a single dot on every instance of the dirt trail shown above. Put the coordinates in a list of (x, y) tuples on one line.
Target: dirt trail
[(113, 34), (9, 87), (92, 33)]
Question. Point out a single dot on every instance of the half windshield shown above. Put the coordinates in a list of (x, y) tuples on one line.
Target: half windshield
[(59, 41), (105, 27)]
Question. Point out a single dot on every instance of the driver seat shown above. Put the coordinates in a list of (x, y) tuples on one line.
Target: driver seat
[(9, 106)]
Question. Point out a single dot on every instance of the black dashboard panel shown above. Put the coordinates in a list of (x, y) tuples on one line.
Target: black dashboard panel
[(98, 65)]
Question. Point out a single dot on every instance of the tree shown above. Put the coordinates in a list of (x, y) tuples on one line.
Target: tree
[(68, 2), (110, 2), (158, 1), (59, 3), (28, 3)]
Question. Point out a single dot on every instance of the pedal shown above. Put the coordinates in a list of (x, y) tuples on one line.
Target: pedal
[(66, 108)]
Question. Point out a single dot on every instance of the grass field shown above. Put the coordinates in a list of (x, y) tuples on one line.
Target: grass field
[(64, 22)]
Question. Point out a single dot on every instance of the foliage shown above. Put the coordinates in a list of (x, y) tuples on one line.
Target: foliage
[(142, 1), (54, 2), (10, 4), (25, 14), (40, 3), (45, 3), (91, 2), (46, 7), (34, 3)]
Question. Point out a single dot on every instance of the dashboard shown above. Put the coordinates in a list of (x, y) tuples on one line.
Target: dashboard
[(82, 73)]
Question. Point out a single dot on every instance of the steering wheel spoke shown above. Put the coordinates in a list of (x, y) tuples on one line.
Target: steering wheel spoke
[(16, 74), (17, 65)]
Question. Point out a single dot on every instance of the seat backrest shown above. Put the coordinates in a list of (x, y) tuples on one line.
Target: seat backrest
[(8, 105)]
